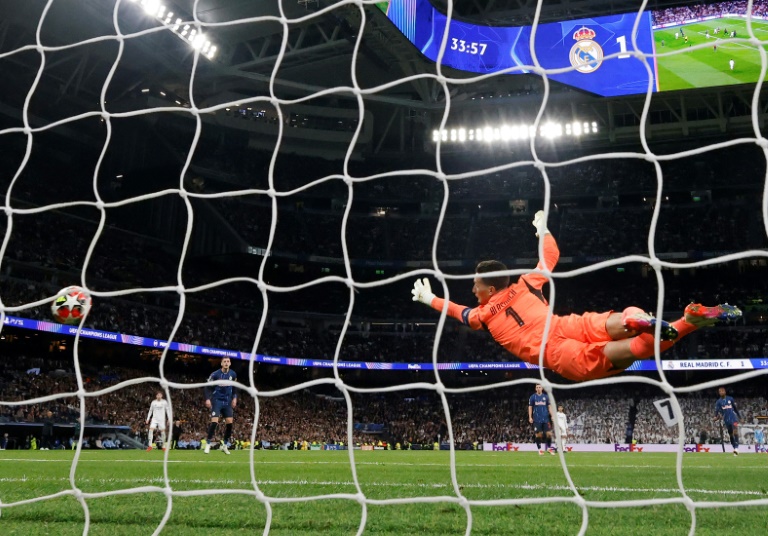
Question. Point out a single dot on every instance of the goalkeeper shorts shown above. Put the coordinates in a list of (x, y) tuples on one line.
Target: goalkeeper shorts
[(575, 347)]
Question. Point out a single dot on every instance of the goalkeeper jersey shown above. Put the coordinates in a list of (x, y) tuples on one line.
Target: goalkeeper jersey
[(515, 316)]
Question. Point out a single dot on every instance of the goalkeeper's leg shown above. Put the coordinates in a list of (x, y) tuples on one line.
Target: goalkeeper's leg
[(622, 353)]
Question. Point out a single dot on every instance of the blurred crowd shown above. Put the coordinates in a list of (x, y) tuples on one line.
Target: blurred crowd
[(605, 415), (603, 209)]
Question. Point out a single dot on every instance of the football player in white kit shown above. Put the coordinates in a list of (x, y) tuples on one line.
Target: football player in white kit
[(562, 423), (159, 414)]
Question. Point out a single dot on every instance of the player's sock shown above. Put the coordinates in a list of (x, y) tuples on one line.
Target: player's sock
[(548, 443), (211, 430), (149, 437), (162, 437), (538, 443), (642, 345), (635, 319), (227, 432)]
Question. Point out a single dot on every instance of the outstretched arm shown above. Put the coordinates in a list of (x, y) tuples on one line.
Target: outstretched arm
[(422, 292), (551, 253)]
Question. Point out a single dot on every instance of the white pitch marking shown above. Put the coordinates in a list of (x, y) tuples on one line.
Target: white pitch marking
[(525, 486)]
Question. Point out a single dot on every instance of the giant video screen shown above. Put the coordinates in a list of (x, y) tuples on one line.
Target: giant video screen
[(685, 47)]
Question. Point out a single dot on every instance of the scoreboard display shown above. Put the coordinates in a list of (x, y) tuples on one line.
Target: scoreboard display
[(612, 55)]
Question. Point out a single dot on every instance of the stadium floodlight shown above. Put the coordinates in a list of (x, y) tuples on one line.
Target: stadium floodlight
[(191, 35), (152, 6), (550, 130)]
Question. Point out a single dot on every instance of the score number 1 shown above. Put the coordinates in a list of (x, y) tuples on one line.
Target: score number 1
[(622, 41)]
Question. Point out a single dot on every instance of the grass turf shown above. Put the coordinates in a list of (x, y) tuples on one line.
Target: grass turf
[(706, 67), (285, 476)]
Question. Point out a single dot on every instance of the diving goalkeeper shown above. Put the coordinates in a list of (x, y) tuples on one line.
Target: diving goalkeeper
[(580, 347)]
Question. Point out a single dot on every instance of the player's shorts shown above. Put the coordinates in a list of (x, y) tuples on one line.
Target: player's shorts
[(542, 427), (732, 427), (575, 347), (221, 408), (154, 423)]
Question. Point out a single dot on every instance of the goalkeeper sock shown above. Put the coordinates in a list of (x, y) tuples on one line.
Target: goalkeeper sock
[(227, 432), (151, 432), (211, 430), (642, 345)]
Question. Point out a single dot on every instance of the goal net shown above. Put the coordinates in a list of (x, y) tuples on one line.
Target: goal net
[(264, 183)]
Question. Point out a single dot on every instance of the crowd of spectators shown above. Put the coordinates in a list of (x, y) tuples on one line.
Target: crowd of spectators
[(392, 221), (700, 427), (608, 415)]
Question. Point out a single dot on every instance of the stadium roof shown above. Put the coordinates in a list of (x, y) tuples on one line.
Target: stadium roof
[(317, 56)]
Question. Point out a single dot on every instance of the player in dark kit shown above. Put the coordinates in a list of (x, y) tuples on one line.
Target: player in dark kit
[(540, 415), (725, 409), (221, 400)]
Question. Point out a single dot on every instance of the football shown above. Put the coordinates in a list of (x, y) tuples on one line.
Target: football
[(70, 305)]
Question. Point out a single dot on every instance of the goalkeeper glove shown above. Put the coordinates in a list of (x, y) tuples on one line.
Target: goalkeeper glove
[(539, 223), (422, 291)]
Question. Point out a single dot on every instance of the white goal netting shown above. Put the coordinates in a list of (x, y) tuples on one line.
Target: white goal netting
[(90, 215)]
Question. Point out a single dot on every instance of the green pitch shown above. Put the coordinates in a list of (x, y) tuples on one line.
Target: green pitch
[(287, 476), (707, 66)]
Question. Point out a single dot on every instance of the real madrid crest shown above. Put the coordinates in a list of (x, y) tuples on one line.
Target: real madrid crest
[(586, 55)]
